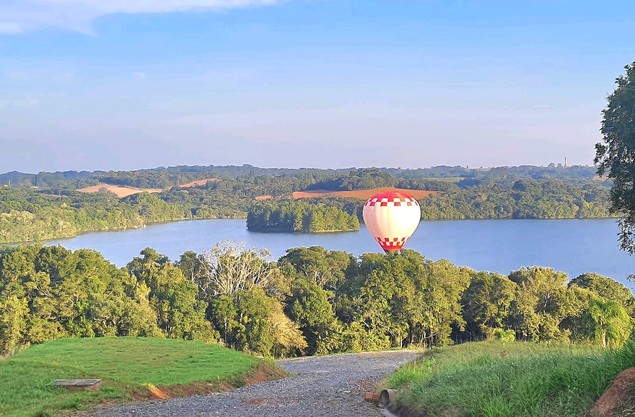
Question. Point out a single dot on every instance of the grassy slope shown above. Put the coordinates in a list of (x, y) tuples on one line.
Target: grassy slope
[(509, 379), (126, 365)]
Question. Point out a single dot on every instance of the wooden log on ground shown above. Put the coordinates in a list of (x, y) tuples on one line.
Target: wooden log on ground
[(79, 384), (371, 397)]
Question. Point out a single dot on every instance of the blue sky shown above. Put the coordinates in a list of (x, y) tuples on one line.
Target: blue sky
[(90, 84)]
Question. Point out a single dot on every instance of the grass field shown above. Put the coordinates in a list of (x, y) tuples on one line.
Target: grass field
[(496, 379), (129, 368)]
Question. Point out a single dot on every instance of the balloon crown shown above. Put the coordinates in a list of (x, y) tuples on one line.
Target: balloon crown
[(395, 198)]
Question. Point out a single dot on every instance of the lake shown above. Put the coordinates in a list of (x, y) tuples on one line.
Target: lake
[(571, 246)]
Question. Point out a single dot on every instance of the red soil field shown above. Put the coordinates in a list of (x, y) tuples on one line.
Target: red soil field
[(362, 194)]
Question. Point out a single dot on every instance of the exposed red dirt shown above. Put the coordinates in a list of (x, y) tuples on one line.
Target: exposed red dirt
[(264, 372), (616, 395), (362, 194), (264, 197)]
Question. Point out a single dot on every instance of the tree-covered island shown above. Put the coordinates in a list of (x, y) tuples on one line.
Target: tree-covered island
[(299, 217)]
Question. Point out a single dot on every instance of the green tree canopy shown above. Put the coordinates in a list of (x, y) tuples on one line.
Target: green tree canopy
[(616, 155)]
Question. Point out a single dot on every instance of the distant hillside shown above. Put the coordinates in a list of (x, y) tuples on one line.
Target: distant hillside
[(62, 204), (319, 179)]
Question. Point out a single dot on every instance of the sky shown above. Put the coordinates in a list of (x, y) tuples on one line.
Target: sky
[(131, 84)]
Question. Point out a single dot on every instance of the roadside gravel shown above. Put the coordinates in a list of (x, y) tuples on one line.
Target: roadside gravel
[(320, 386)]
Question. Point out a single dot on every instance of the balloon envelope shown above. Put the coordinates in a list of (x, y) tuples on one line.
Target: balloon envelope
[(391, 217)]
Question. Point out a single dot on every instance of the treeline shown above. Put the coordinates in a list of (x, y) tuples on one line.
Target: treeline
[(311, 301), (300, 216), (576, 173), (162, 177), (332, 179), (57, 180), (174, 176), (30, 215), (520, 199)]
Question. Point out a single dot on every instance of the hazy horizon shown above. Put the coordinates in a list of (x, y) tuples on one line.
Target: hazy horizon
[(298, 167), (90, 85)]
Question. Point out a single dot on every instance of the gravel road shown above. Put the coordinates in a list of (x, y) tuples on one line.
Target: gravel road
[(320, 386)]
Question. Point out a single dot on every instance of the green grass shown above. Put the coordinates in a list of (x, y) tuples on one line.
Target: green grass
[(124, 364), (495, 379)]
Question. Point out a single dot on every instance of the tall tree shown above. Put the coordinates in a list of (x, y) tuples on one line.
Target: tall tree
[(173, 297), (540, 304), (613, 325), (309, 306), (487, 303), (616, 156), (230, 267)]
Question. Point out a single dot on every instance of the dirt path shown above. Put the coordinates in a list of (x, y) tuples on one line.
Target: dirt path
[(320, 386)]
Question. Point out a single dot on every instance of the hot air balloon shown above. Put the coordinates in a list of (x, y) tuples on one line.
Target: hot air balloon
[(391, 217)]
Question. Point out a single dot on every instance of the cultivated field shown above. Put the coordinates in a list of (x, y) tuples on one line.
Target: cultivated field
[(123, 191), (118, 190), (197, 183), (362, 194)]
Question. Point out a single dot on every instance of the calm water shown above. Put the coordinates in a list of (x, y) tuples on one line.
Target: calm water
[(572, 246)]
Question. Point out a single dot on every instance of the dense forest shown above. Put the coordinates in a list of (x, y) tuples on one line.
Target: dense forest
[(300, 216), (310, 301), (174, 176), (37, 207)]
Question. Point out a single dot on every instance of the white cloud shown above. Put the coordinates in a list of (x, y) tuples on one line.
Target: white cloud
[(155, 6), (20, 102), (18, 16), (12, 27), (15, 75)]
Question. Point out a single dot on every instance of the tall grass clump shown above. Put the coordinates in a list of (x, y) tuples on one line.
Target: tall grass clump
[(496, 379)]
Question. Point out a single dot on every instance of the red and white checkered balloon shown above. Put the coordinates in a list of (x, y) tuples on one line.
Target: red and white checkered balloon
[(391, 217)]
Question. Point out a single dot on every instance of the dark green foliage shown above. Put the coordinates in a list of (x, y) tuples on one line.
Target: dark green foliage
[(173, 297), (299, 216), (361, 179), (66, 179), (606, 288), (328, 269), (540, 305), (519, 199), (487, 303), (405, 299), (309, 306), (310, 301), (153, 209), (51, 292), (173, 176), (31, 215), (615, 156)]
